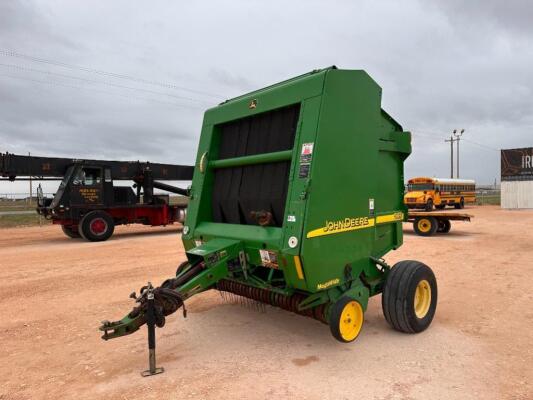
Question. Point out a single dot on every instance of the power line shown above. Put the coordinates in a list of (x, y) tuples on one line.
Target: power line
[(9, 53), (26, 69), (53, 83), (481, 145), (467, 140)]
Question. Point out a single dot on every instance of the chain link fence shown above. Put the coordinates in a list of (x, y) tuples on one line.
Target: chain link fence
[(488, 196), (19, 201)]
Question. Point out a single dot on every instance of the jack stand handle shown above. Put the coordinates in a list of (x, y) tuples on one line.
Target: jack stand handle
[(150, 323)]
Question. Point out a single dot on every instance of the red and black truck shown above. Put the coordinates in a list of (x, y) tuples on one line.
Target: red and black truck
[(87, 204)]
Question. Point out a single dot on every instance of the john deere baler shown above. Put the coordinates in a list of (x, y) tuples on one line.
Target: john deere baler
[(297, 195)]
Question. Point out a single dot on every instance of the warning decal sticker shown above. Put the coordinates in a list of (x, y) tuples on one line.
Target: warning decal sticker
[(305, 159)]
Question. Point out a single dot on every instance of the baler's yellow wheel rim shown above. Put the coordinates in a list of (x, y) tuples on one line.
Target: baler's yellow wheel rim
[(351, 320), (424, 225), (422, 298)]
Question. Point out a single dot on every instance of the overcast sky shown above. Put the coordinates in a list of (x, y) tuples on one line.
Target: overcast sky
[(131, 79)]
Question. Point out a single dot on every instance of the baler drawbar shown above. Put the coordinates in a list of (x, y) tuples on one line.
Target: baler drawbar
[(297, 195)]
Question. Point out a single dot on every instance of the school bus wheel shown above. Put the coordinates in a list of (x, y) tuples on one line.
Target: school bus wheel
[(425, 226)]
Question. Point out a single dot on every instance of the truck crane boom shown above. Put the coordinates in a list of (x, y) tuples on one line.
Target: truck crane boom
[(13, 166)]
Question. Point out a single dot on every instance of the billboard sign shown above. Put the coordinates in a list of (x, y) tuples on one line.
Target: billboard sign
[(517, 164)]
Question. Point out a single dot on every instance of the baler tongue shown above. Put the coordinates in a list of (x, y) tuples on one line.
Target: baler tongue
[(165, 302), (208, 266)]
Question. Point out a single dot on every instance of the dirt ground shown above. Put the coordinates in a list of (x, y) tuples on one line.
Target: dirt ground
[(57, 290)]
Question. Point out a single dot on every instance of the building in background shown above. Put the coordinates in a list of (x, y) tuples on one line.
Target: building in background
[(517, 178)]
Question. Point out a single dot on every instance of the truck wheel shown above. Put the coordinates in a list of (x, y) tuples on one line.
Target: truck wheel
[(429, 205), (97, 226), (461, 204), (409, 297), (425, 226), (444, 226), (346, 319), (70, 231)]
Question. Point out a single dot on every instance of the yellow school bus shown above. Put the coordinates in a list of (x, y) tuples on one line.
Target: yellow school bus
[(426, 192)]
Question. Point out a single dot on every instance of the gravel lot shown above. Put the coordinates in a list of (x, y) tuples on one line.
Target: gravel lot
[(57, 290)]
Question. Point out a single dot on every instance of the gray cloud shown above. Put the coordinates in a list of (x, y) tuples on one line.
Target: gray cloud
[(512, 16), (442, 65)]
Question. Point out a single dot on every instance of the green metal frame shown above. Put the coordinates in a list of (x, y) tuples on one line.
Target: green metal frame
[(344, 216)]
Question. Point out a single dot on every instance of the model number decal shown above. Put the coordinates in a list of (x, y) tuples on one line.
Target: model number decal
[(327, 284)]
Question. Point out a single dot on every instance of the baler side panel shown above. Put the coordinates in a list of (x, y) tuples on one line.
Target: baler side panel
[(345, 181)]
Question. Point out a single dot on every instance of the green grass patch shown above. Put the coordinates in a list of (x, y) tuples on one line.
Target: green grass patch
[(17, 205), (488, 200), (13, 221), (16, 208)]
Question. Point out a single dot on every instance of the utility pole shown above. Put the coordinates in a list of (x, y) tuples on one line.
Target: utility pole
[(457, 139), (451, 140)]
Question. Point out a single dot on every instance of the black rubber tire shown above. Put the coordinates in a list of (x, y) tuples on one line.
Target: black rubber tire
[(70, 231), (440, 206), (89, 218), (429, 205), (335, 316), (80, 232), (461, 204), (444, 226), (398, 296), (419, 222)]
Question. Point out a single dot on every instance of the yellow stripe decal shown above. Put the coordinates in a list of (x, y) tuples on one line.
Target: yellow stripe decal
[(352, 224), (298, 266)]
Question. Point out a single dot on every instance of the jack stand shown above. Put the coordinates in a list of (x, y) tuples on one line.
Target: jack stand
[(150, 323)]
